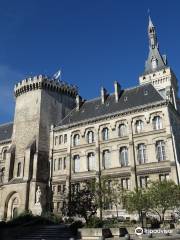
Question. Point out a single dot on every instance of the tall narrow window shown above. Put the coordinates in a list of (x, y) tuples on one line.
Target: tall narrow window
[(59, 188), (56, 140), (76, 163), (125, 183), (123, 154), (76, 140), (122, 130), (157, 123), (60, 164), (65, 138), (90, 137), (106, 159), (160, 151), (2, 172), (105, 134), (91, 161), (141, 153), (19, 169), (64, 163), (144, 181), (139, 126), (54, 167), (4, 154), (60, 139), (164, 177)]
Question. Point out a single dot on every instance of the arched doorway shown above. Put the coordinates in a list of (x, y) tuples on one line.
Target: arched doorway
[(12, 206)]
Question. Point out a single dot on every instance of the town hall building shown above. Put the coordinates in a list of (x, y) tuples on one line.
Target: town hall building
[(58, 140)]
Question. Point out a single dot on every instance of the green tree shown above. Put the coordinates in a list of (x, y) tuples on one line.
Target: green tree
[(138, 201), (81, 203), (117, 195), (164, 195)]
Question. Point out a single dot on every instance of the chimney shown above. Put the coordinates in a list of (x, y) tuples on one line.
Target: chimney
[(117, 90), (78, 102), (103, 95)]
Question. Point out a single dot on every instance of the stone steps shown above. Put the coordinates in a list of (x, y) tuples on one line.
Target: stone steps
[(49, 233)]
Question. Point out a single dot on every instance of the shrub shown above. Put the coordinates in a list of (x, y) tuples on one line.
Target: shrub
[(155, 223), (94, 222), (75, 225), (21, 219), (110, 223), (68, 220)]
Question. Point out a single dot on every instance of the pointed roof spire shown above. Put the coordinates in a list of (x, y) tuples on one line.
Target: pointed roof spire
[(150, 23), (155, 60)]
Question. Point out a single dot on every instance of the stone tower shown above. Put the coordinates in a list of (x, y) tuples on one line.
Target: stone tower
[(157, 70), (40, 102)]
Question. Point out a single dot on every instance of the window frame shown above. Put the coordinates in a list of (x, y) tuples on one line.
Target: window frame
[(123, 156)]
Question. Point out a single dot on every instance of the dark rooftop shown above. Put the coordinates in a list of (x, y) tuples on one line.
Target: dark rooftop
[(6, 131), (129, 98)]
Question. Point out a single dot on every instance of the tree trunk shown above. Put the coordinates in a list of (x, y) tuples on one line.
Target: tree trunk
[(116, 210), (163, 213)]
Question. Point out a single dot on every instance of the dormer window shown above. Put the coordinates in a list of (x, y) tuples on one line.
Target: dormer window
[(154, 63)]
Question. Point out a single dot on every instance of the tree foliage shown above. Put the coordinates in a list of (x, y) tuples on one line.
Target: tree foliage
[(82, 203), (164, 195)]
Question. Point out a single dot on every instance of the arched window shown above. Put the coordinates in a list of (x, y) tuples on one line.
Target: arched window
[(4, 154), (160, 151), (122, 130), (141, 153), (139, 126), (91, 161), (157, 123), (90, 137), (105, 134), (76, 163), (123, 154), (106, 159), (19, 170), (76, 140)]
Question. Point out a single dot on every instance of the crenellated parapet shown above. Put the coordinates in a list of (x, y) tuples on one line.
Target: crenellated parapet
[(44, 82)]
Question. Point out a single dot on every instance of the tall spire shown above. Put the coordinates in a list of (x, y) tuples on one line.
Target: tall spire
[(155, 60), (152, 34)]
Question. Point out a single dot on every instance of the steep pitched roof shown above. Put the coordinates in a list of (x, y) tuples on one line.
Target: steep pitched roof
[(6, 131), (155, 60), (129, 98)]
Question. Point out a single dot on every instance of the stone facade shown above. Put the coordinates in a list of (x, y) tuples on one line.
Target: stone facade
[(58, 140)]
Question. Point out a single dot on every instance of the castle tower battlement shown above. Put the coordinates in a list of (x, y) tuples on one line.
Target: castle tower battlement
[(44, 82)]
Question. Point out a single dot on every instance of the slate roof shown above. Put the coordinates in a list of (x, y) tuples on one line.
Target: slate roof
[(6, 131), (129, 98)]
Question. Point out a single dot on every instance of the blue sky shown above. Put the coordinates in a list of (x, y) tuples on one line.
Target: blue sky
[(94, 42)]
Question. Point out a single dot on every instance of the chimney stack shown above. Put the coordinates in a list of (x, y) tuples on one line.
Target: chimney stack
[(117, 90), (103, 95), (78, 102)]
